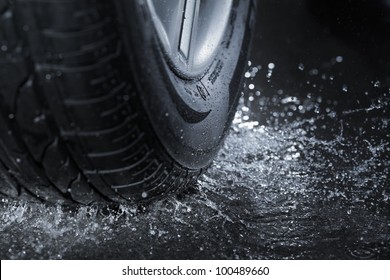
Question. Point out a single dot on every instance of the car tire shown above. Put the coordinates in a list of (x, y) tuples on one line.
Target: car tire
[(92, 111)]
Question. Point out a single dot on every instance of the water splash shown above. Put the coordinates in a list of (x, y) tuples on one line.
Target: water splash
[(304, 181)]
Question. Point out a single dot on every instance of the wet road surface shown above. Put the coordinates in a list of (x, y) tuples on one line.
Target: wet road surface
[(304, 172)]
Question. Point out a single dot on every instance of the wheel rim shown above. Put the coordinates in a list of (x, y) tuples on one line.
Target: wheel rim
[(190, 31)]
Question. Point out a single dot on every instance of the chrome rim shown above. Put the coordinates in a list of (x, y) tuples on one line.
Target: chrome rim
[(190, 31)]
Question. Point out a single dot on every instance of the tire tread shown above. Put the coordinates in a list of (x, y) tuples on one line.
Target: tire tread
[(71, 130)]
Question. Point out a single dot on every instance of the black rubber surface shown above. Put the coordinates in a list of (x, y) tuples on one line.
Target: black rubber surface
[(72, 125), (193, 115)]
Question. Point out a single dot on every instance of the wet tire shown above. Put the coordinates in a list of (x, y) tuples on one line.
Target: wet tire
[(89, 107)]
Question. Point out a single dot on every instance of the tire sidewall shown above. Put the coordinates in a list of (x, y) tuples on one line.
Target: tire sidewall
[(191, 137)]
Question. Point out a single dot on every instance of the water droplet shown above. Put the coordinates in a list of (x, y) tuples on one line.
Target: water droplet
[(339, 59), (313, 72), (39, 118), (253, 71), (301, 66), (144, 194), (271, 66), (290, 99), (245, 109), (251, 86)]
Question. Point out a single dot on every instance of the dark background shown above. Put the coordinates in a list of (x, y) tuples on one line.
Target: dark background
[(311, 35), (303, 173)]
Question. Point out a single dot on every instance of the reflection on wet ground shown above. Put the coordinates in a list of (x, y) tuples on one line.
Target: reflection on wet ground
[(303, 173)]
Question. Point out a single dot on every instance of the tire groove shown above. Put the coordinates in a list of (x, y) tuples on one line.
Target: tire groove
[(84, 102), (64, 166), (118, 151)]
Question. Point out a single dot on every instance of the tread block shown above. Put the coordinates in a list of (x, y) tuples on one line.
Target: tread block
[(58, 166), (8, 37), (67, 15), (70, 123), (32, 120), (81, 193)]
